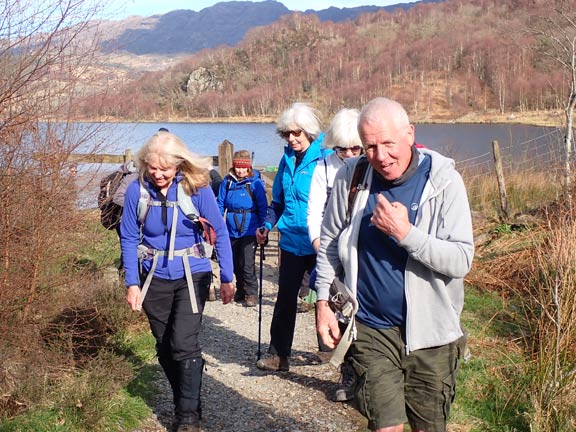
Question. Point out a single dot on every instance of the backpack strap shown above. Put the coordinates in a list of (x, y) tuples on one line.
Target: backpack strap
[(247, 185), (356, 183), (184, 202), (240, 225), (199, 250), (228, 183)]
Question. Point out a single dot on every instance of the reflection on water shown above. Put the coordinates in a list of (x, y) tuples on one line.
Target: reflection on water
[(459, 141)]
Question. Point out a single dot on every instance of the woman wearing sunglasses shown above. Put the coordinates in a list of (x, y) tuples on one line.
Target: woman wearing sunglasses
[(341, 136), (299, 125)]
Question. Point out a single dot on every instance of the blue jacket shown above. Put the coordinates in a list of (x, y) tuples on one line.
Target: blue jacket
[(290, 192), (245, 211), (156, 234)]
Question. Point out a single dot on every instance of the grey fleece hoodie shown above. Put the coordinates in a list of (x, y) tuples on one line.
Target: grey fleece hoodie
[(440, 249)]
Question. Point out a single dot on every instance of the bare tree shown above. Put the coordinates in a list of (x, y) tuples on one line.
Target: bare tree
[(556, 32), (46, 52)]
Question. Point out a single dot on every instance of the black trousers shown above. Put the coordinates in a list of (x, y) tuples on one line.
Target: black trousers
[(292, 269), (244, 257), (174, 326)]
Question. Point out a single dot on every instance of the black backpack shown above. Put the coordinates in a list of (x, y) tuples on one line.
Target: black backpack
[(110, 212)]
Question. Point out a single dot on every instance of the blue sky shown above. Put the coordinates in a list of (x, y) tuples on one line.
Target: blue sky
[(124, 8)]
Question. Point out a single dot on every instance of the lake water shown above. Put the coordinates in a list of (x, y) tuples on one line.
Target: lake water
[(463, 142), (468, 144)]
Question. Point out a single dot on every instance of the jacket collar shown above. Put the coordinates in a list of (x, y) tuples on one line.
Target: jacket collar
[(313, 152)]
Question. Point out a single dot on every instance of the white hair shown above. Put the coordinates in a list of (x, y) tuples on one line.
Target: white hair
[(343, 130), (382, 108), (302, 115)]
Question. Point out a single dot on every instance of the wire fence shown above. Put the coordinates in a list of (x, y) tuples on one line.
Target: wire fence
[(533, 173)]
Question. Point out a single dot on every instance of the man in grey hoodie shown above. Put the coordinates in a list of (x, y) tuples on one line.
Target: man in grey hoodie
[(402, 251)]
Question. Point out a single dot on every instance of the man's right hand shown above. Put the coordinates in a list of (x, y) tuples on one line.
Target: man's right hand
[(327, 324), (133, 297), (262, 235)]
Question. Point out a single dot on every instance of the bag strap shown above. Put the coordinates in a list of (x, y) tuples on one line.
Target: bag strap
[(356, 183), (184, 202)]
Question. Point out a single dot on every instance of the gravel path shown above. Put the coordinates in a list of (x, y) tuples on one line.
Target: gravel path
[(236, 396)]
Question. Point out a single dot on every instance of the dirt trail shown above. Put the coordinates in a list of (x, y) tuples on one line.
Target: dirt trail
[(236, 396)]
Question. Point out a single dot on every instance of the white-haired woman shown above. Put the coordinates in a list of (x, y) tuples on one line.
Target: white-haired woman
[(342, 136), (167, 260), (299, 125)]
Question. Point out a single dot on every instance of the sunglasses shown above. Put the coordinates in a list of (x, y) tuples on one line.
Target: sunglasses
[(355, 149), (286, 133)]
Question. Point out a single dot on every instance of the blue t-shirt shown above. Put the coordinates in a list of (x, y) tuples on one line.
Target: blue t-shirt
[(381, 262)]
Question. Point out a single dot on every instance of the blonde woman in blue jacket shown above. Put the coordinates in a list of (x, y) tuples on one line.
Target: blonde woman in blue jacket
[(167, 261)]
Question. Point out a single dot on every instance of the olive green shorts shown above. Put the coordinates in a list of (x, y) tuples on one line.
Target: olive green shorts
[(394, 388)]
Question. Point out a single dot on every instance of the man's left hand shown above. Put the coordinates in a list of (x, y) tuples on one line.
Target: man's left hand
[(391, 218)]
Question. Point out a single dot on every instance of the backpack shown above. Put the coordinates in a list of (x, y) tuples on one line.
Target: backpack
[(110, 212)]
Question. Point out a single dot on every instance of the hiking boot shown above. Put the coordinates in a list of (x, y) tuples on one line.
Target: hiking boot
[(187, 427), (251, 301), (212, 294), (345, 390), (304, 307), (274, 364), (322, 357)]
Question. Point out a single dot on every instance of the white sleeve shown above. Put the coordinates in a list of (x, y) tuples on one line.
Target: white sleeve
[(316, 201)]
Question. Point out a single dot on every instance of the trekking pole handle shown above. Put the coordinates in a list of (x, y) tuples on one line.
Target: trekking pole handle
[(261, 230), (263, 245)]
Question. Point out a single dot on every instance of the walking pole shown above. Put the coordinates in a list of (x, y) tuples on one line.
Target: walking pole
[(262, 258)]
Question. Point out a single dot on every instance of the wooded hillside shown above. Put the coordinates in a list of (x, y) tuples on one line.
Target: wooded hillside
[(441, 60)]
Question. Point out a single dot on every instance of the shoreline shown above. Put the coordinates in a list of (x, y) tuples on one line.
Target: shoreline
[(531, 118)]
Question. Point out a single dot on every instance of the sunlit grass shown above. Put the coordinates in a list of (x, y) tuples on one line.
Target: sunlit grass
[(525, 191), (522, 324), (484, 401)]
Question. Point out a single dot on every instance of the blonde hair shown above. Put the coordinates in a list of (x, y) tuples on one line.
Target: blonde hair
[(343, 130), (171, 151)]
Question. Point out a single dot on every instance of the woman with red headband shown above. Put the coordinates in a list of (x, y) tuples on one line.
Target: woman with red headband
[(243, 203)]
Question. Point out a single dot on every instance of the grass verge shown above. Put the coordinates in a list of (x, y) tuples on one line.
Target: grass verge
[(112, 393)]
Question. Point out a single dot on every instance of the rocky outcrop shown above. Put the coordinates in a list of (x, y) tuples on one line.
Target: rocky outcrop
[(201, 80)]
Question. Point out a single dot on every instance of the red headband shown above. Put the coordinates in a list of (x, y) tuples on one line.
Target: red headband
[(241, 163)]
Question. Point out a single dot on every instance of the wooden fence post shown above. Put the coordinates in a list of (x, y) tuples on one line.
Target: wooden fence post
[(500, 177), (225, 152), (127, 155)]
